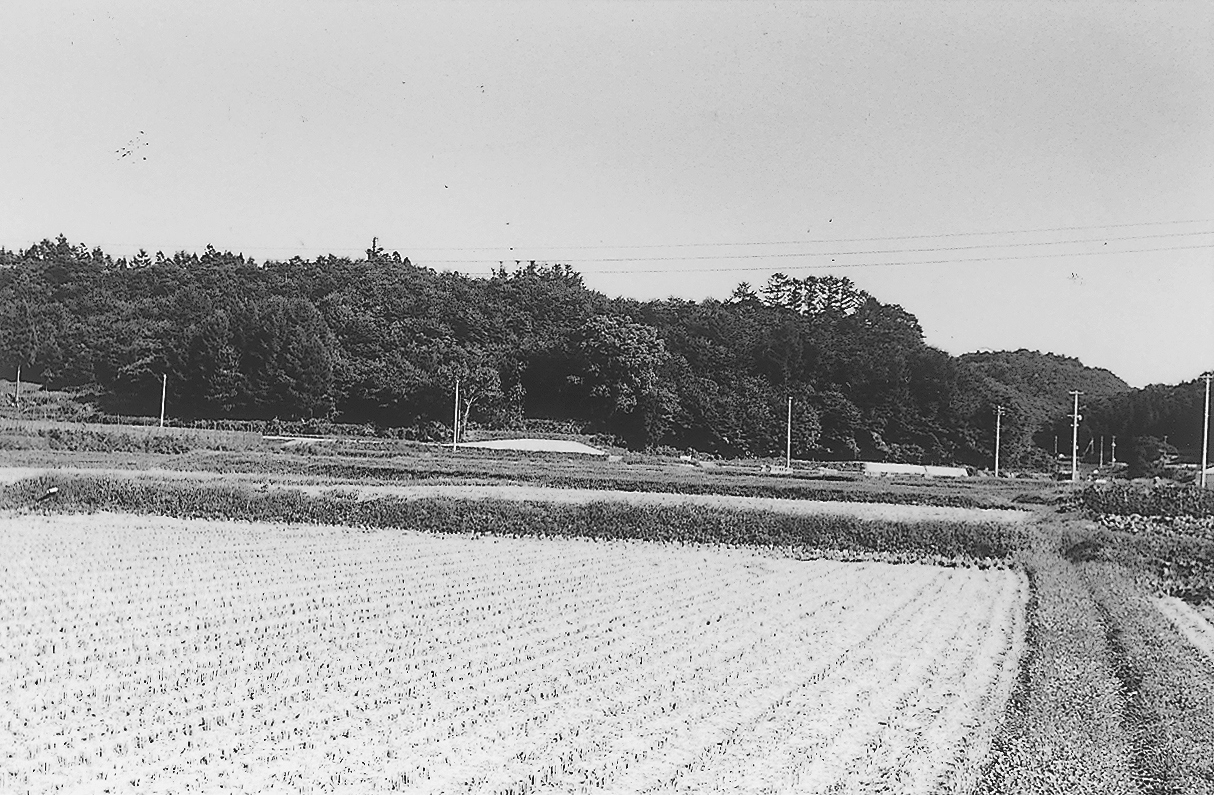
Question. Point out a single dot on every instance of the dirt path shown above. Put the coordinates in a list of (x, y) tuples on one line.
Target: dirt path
[(1190, 622)]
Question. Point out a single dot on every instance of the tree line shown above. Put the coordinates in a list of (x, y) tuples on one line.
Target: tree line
[(1151, 425), (380, 340)]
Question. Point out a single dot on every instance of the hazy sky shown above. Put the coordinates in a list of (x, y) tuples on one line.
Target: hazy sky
[(663, 149)]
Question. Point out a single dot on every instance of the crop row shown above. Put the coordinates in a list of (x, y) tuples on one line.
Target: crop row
[(1125, 499), (1190, 526), (937, 541)]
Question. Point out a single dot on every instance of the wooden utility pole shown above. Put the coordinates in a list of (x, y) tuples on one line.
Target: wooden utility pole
[(164, 388), (17, 391)]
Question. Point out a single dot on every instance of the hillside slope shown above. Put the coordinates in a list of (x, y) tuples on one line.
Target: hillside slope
[(1035, 389)]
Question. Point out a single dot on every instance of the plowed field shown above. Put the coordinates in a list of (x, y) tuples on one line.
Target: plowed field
[(151, 654)]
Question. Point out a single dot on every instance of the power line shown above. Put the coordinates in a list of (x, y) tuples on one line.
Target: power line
[(747, 244), (833, 265), (829, 240), (787, 255), (916, 262)]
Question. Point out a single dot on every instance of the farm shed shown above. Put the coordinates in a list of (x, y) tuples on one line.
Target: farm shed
[(874, 469)]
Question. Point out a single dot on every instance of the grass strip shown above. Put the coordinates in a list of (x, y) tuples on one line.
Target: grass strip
[(1062, 730), (1167, 686), (945, 542)]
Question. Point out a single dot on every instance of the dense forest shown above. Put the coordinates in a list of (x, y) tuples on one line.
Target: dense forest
[(381, 341)]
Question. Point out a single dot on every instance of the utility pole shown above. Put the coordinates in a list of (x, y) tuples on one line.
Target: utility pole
[(1075, 438), (1113, 454), (164, 388), (455, 427), (788, 438), (1205, 430), (998, 428), (17, 392), (1102, 450)]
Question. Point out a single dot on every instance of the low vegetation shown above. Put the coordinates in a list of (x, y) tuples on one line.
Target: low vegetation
[(1062, 730), (1163, 532), (115, 438), (937, 541), (1126, 499)]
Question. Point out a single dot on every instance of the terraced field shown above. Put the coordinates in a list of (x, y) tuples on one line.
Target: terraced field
[(153, 654)]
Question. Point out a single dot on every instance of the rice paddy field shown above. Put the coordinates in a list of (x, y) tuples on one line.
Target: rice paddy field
[(145, 654), (433, 621)]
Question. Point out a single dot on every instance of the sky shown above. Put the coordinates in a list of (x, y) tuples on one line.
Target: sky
[(1017, 175)]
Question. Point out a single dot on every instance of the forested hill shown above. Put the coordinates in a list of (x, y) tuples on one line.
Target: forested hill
[(380, 340), (1035, 390), (1171, 414), (1046, 377)]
